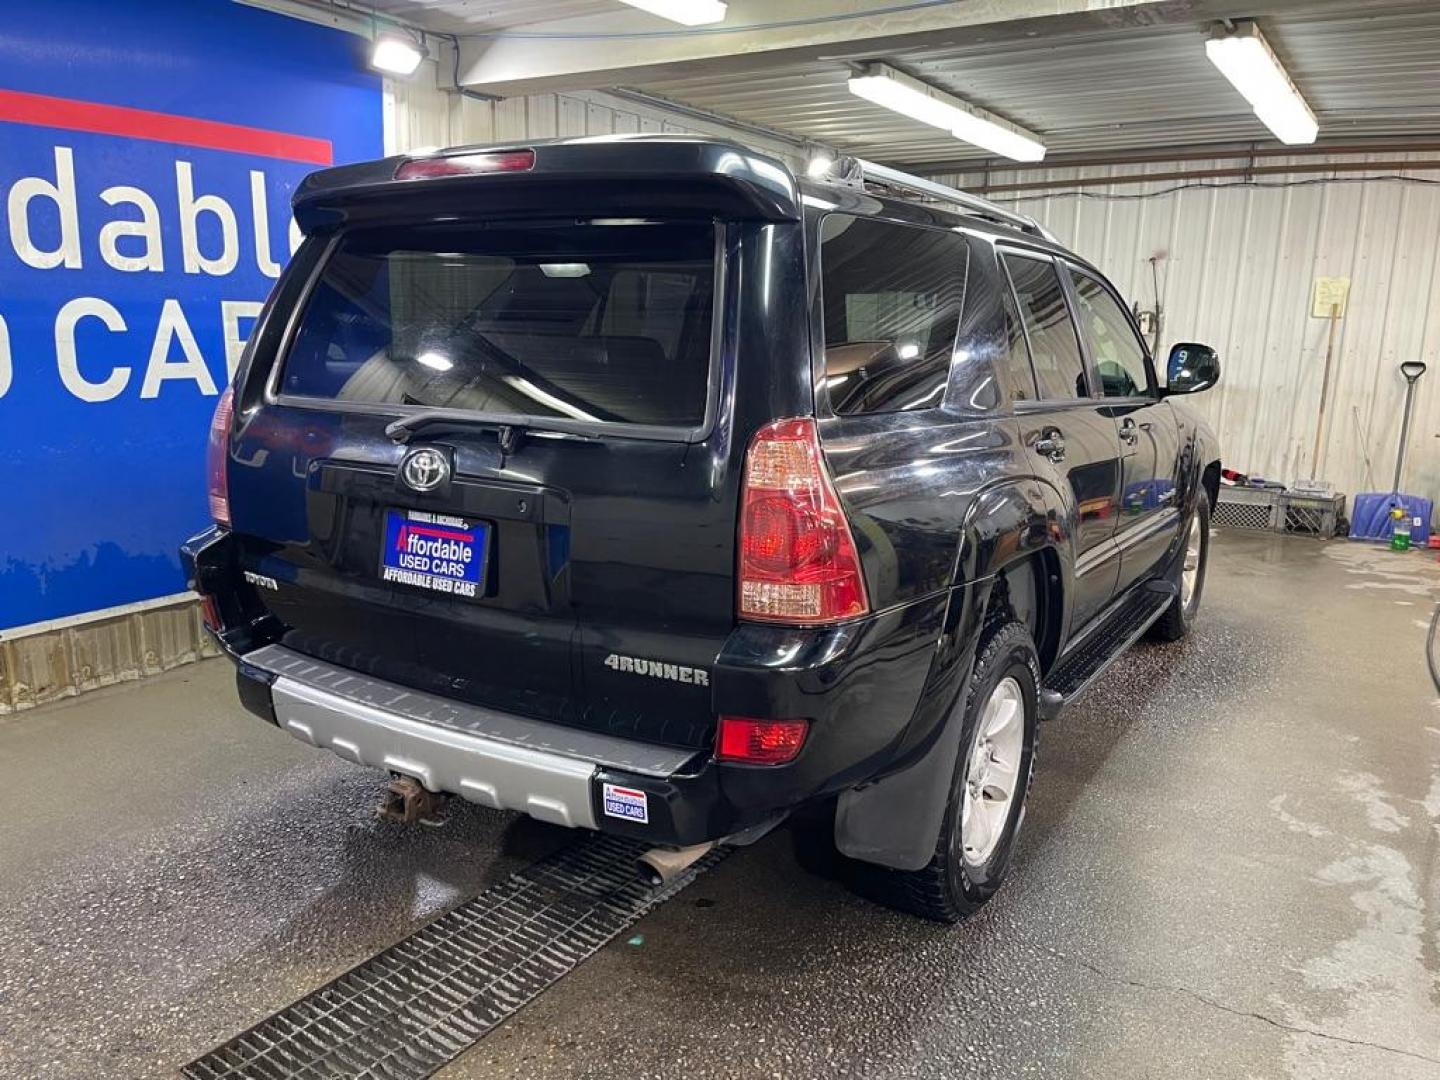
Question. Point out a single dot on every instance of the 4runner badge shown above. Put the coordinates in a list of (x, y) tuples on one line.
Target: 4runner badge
[(656, 669)]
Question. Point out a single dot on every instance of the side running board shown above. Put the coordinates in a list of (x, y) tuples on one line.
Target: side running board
[(1087, 660)]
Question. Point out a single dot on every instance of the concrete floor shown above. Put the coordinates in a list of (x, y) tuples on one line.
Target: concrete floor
[(1230, 868)]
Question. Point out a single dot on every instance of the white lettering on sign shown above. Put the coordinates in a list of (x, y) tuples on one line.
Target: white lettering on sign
[(129, 229), (438, 547), (65, 352), (147, 229), (6, 367), (260, 214), (191, 208), (231, 312), (173, 328), (62, 194), (425, 581)]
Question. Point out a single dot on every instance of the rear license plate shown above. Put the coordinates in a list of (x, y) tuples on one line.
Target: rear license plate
[(435, 551)]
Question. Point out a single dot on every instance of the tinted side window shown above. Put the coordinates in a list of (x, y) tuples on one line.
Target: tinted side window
[(1014, 364), (1119, 356), (892, 296), (1054, 348)]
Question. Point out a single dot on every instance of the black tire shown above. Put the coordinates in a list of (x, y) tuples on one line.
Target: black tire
[(952, 887), (1179, 617)]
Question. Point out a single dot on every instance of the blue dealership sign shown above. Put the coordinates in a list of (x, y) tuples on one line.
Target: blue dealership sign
[(148, 152)]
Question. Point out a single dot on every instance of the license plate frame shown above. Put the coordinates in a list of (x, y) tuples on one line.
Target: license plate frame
[(443, 554)]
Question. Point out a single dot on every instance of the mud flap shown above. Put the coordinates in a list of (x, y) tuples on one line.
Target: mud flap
[(896, 820)]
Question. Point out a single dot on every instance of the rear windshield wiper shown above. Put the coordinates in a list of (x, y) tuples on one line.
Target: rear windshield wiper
[(401, 430), (507, 433)]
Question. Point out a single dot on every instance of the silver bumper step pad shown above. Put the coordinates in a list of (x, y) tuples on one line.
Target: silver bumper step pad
[(487, 757), (404, 1013)]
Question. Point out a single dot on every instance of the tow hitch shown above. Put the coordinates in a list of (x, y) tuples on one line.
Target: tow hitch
[(408, 801)]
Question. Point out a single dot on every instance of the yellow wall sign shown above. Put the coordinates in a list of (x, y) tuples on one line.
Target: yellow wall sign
[(1330, 293)]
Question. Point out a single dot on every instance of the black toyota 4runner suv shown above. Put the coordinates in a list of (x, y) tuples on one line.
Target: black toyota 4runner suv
[(639, 485)]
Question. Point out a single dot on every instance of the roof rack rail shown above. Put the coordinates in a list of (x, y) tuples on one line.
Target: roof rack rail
[(974, 204)]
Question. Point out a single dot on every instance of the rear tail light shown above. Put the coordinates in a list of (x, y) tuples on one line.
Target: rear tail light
[(210, 614), (216, 453), (490, 161), (759, 742), (797, 561)]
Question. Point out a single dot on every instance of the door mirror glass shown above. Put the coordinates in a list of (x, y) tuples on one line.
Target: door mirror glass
[(1192, 368)]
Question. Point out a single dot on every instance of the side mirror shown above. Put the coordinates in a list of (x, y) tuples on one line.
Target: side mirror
[(1192, 368)]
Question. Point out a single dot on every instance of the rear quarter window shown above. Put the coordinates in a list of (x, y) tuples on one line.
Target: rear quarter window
[(1049, 332), (891, 296)]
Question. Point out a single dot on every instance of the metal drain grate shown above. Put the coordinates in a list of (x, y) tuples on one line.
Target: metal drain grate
[(422, 1002)]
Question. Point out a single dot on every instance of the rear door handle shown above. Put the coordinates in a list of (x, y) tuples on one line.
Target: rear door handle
[(1128, 432), (1051, 443)]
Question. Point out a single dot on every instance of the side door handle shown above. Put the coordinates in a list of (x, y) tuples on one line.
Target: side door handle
[(1129, 433), (1051, 443)]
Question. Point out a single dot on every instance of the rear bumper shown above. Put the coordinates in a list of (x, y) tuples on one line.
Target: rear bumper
[(553, 773), (859, 684)]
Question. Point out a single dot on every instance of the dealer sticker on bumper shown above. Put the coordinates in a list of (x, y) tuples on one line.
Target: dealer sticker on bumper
[(627, 803)]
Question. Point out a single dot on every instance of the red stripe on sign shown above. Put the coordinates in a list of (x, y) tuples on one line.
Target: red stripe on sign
[(17, 107)]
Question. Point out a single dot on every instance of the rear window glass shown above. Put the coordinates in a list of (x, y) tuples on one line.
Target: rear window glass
[(598, 323), (892, 296)]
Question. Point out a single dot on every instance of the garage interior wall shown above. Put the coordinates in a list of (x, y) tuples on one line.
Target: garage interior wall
[(1236, 271), (417, 114)]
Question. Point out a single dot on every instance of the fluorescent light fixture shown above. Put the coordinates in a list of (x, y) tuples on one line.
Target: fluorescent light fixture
[(900, 93), (686, 12), (998, 138), (908, 97), (565, 270), (908, 351), (1246, 59), (435, 361), (396, 54)]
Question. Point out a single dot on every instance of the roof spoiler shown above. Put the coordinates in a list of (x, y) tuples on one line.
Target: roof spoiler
[(606, 176)]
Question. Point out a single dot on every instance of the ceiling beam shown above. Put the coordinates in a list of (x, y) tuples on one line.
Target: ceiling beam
[(630, 48)]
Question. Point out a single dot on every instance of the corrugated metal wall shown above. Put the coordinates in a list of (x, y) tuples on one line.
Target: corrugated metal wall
[(1236, 271), (57, 660), (419, 115)]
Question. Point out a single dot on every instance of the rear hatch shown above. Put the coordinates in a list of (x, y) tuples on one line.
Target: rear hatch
[(479, 465)]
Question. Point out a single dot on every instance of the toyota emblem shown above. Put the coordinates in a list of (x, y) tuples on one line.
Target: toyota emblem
[(424, 469)]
